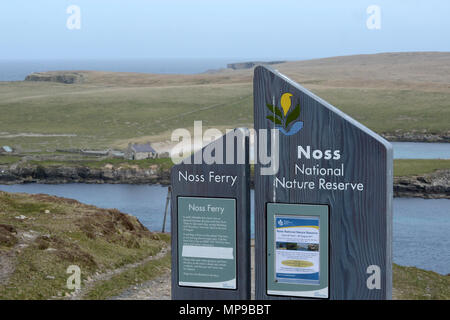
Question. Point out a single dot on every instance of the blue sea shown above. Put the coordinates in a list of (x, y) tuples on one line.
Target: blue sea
[(17, 70)]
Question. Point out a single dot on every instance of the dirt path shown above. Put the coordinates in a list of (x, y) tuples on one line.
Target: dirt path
[(91, 282), (156, 289), (7, 266), (8, 258), (160, 287)]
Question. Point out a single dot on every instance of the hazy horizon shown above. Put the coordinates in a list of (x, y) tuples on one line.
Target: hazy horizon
[(18, 69), (228, 59)]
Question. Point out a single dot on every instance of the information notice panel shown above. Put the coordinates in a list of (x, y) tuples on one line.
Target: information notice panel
[(207, 242), (297, 250)]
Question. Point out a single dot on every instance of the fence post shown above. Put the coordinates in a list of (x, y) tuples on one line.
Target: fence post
[(169, 191)]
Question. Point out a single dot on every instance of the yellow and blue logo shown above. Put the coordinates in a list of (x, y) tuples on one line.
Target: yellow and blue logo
[(285, 119)]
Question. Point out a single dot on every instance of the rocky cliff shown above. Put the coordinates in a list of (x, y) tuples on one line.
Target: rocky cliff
[(65, 77), (417, 137), (250, 64), (79, 174), (432, 186)]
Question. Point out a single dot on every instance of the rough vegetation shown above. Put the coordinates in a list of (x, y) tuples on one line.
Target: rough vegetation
[(41, 236), (411, 283)]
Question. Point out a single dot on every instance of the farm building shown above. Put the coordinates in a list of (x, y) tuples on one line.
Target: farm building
[(140, 151)]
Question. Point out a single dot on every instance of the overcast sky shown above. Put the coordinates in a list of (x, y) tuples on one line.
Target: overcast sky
[(275, 29)]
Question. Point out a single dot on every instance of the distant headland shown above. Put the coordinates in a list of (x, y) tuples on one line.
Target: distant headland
[(250, 64)]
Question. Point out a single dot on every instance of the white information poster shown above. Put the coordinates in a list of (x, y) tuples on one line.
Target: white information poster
[(297, 252)]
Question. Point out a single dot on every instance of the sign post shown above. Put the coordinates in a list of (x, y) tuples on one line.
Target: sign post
[(323, 217), (210, 222)]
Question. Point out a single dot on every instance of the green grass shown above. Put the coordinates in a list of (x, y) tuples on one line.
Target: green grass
[(411, 167), (5, 160), (99, 118), (411, 283), (94, 239), (390, 111)]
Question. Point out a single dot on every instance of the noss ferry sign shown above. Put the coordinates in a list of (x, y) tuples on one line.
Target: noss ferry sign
[(324, 218), (211, 222)]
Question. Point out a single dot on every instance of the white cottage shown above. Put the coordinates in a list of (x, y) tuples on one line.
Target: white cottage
[(140, 151)]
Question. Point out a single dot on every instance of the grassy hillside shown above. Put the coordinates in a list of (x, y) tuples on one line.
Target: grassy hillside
[(81, 116), (390, 93), (41, 236), (393, 110)]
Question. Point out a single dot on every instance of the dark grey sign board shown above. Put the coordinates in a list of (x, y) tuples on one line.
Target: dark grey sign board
[(334, 172), (210, 221)]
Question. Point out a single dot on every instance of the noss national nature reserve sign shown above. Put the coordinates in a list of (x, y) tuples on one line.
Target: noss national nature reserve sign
[(323, 220)]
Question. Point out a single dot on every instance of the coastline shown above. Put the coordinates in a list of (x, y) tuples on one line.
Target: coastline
[(434, 185), (81, 174), (417, 137)]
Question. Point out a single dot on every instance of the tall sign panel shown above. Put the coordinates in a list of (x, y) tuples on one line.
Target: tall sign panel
[(323, 216), (210, 221)]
